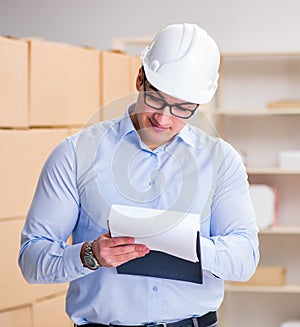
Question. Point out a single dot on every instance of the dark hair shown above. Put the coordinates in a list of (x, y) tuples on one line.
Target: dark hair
[(144, 79)]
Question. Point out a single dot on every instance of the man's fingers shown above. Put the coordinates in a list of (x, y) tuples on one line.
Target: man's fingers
[(113, 251), (118, 241), (127, 257)]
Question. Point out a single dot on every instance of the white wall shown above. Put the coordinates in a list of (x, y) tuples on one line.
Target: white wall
[(253, 25)]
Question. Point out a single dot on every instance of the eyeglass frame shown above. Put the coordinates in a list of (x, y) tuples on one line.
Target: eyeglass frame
[(165, 103)]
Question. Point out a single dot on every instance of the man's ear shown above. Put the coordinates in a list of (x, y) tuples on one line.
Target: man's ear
[(139, 80)]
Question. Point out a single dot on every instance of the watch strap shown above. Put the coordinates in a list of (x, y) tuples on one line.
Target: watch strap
[(88, 258)]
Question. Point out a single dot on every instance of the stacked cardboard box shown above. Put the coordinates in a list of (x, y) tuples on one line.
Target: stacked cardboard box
[(13, 83), (64, 83), (23, 154), (118, 74), (48, 91)]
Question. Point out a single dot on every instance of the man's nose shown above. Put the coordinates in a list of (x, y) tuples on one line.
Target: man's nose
[(163, 115)]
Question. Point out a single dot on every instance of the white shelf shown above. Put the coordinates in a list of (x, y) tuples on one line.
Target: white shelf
[(286, 289), (281, 230), (255, 113), (252, 54), (272, 171)]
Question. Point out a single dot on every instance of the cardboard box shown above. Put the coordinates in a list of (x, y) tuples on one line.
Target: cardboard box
[(114, 75), (16, 168), (116, 84), (84, 87), (20, 317), (51, 312), (24, 153), (72, 131), (64, 84), (134, 66), (13, 82), (266, 276), (17, 291)]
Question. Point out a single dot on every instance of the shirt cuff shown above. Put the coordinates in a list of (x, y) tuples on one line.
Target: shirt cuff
[(72, 262), (207, 254)]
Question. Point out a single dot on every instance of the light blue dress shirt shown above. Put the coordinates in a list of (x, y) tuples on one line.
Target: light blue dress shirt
[(107, 164)]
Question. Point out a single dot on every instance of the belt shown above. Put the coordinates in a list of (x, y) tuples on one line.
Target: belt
[(208, 319)]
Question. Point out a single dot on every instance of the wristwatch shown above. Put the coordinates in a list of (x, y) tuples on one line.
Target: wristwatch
[(89, 259)]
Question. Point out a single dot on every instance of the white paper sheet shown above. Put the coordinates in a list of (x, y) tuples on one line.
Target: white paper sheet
[(171, 232)]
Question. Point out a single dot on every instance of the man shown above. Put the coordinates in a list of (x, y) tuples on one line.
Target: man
[(150, 158)]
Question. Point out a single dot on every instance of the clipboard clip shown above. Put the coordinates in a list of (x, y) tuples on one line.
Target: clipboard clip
[(107, 221)]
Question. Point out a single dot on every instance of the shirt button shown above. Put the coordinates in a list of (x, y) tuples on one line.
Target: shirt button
[(154, 288)]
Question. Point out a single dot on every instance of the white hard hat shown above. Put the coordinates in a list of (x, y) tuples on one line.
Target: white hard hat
[(183, 61)]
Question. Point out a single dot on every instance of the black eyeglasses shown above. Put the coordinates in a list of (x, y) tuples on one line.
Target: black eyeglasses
[(154, 100)]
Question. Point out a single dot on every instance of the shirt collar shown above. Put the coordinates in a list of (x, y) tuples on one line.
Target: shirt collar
[(187, 135), (126, 125)]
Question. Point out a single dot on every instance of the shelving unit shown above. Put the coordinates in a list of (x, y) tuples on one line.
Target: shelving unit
[(248, 83), (286, 289)]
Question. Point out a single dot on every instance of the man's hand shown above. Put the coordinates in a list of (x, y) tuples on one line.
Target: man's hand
[(114, 251)]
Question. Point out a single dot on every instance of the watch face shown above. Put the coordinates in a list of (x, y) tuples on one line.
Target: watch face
[(90, 262)]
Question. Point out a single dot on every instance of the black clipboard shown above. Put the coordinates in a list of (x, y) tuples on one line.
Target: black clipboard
[(162, 265)]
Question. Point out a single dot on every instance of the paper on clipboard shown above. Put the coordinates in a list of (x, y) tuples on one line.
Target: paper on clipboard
[(171, 232)]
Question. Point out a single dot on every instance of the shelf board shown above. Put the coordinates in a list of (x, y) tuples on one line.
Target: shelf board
[(253, 54), (272, 171), (281, 230), (286, 289), (255, 113)]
